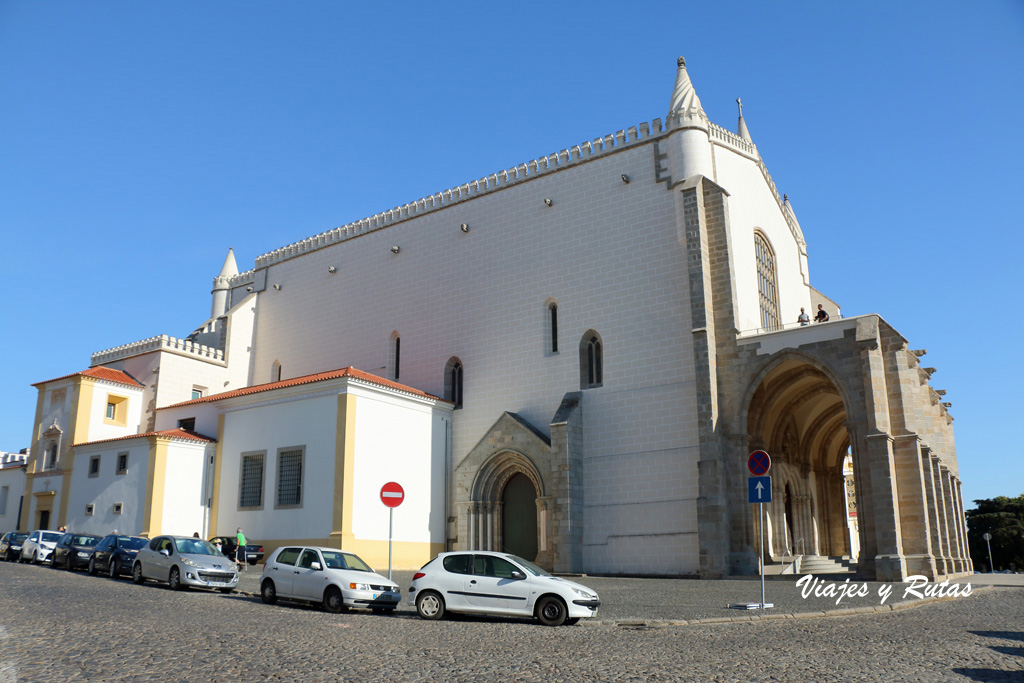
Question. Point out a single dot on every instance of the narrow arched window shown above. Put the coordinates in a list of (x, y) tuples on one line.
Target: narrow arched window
[(275, 371), (553, 314), (395, 355), (767, 284), (591, 360), (453, 381)]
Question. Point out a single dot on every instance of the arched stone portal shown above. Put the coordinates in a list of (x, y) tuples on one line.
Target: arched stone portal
[(797, 414), (519, 517)]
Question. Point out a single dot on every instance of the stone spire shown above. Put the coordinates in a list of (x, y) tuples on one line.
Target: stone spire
[(230, 268), (741, 128), (684, 109)]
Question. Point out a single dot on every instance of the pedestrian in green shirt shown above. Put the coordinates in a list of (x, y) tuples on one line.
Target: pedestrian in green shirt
[(240, 557)]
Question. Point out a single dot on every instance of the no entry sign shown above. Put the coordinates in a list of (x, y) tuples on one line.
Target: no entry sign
[(392, 494), (759, 463)]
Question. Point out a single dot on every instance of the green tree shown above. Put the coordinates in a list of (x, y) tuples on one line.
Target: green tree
[(1002, 517)]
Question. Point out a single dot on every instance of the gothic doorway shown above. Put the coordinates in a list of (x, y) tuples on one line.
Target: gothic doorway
[(798, 414), (519, 517)]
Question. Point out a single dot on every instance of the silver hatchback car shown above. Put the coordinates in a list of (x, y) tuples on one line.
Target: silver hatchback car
[(181, 562)]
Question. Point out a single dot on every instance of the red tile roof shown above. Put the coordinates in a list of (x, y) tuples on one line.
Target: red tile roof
[(177, 433), (308, 379), (100, 372)]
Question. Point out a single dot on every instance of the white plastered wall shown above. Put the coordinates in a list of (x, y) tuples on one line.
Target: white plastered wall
[(99, 428), (108, 488), (184, 510), (753, 205), (606, 250), (398, 439), (309, 422), (14, 479)]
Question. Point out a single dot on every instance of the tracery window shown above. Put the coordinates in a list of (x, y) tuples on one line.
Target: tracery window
[(767, 284), (453, 381), (591, 360)]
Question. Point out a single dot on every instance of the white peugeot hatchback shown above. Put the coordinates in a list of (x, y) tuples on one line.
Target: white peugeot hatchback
[(498, 583), (331, 577)]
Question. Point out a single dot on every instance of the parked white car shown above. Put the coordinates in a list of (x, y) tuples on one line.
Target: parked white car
[(331, 577), (182, 561), (498, 583), (39, 546)]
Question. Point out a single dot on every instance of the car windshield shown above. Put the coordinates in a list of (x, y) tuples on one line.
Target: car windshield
[(130, 542), (17, 538), (85, 540), (51, 537), (194, 546), (336, 560), (529, 566)]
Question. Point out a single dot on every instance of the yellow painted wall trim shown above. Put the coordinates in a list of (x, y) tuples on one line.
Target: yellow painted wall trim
[(81, 407), (344, 472), (35, 452), (156, 478), (218, 458)]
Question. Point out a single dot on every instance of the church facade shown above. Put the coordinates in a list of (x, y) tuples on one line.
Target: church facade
[(570, 360)]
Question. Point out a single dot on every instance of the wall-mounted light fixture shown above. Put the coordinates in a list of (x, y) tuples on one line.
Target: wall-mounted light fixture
[(248, 289), (464, 228), (332, 270), (277, 287), (395, 249), (548, 202), (625, 178)]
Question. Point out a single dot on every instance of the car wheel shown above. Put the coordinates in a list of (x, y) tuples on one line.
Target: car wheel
[(91, 570), (53, 561), (334, 602), (137, 576), (268, 592), (551, 611), (69, 564), (174, 580), (572, 622), (430, 605), (113, 569)]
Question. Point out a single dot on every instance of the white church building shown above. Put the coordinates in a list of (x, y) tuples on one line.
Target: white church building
[(570, 359)]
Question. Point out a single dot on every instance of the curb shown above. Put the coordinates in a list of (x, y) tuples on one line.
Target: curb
[(843, 612)]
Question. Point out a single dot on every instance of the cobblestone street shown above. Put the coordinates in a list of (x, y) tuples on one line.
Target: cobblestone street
[(56, 626)]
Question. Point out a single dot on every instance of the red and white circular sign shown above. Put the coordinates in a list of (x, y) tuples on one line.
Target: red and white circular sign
[(392, 494)]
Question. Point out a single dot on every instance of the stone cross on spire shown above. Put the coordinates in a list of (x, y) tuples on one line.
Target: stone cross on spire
[(741, 128)]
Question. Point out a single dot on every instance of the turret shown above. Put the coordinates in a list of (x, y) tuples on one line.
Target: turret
[(220, 285), (689, 147)]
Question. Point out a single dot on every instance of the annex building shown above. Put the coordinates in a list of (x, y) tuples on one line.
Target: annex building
[(570, 359)]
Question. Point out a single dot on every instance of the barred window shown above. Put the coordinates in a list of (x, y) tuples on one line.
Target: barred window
[(250, 489), (767, 284), (289, 478)]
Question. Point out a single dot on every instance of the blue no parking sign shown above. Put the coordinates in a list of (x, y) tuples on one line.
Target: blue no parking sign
[(759, 489)]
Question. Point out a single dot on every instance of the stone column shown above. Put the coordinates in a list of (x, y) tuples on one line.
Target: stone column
[(913, 510), (952, 521), (962, 518), (942, 492), (931, 489), (890, 564)]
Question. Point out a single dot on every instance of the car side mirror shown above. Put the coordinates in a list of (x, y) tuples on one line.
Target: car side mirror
[(165, 552), (316, 566), (518, 576)]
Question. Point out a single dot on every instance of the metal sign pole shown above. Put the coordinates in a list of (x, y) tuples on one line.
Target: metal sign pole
[(760, 514), (391, 518)]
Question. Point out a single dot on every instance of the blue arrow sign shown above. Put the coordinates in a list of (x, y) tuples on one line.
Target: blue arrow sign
[(760, 489)]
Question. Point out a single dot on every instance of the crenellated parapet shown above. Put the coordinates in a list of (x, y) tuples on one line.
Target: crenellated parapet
[(530, 170), (160, 343)]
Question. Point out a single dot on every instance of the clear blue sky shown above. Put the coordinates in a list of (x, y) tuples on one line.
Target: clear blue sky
[(140, 140)]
